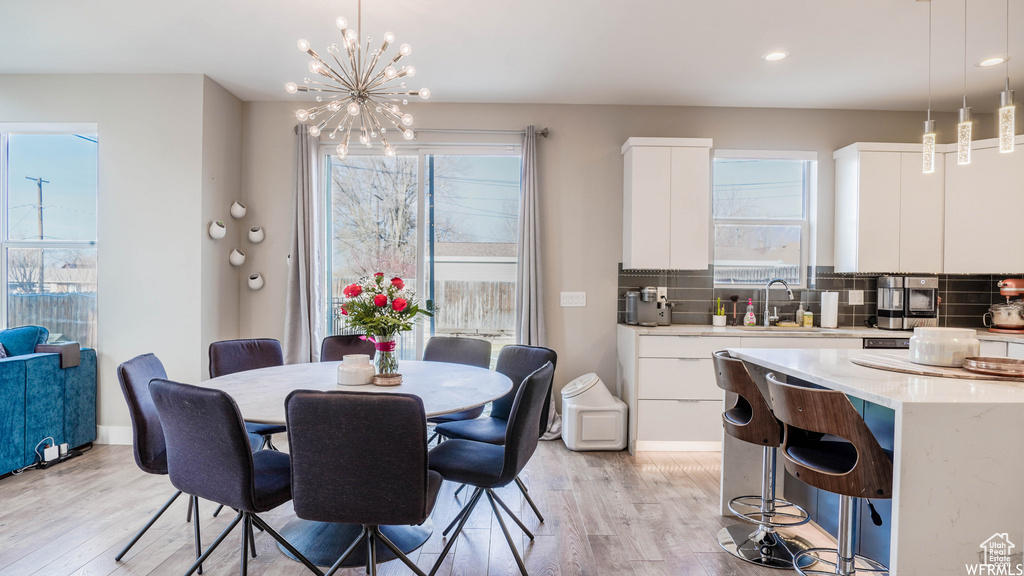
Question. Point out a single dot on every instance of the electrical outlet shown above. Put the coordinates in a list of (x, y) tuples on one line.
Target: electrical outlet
[(64, 449), (573, 299), (51, 453), (662, 293), (855, 297)]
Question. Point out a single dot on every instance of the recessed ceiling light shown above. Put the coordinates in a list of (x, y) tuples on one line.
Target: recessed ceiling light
[(775, 56), (993, 61)]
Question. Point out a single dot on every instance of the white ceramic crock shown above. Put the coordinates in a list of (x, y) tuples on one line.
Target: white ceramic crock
[(943, 346), (256, 234), (355, 370)]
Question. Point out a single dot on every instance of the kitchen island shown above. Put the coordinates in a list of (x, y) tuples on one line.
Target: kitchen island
[(958, 455)]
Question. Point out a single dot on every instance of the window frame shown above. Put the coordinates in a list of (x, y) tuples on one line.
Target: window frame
[(806, 224), (6, 243), (420, 151)]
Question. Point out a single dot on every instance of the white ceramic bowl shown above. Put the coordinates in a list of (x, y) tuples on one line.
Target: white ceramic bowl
[(943, 346)]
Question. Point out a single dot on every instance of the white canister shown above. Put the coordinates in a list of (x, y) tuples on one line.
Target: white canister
[(218, 230), (237, 210), (255, 281), (355, 370), (943, 346), (237, 257), (256, 234)]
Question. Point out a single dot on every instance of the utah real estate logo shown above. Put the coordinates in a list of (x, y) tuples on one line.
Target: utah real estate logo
[(996, 558)]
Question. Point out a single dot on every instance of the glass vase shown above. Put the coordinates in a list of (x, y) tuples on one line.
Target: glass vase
[(386, 359)]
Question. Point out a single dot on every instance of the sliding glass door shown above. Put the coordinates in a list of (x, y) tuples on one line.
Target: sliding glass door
[(443, 220)]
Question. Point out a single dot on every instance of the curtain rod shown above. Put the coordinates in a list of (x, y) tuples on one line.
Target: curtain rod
[(543, 133)]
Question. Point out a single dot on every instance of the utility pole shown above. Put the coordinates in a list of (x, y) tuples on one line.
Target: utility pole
[(39, 185)]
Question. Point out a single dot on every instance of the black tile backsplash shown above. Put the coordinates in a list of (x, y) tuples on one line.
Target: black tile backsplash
[(964, 298)]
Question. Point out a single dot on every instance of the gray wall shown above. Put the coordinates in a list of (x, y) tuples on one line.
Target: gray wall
[(580, 170)]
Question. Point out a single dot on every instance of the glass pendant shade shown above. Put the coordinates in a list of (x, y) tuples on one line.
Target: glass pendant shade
[(928, 149), (963, 137), (1007, 127)]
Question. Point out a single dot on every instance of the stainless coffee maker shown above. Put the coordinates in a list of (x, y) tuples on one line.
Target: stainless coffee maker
[(642, 307), (890, 302), (906, 302)]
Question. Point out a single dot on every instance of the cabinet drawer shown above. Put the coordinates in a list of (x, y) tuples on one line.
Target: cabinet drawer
[(997, 349), (1015, 351), (678, 378), (808, 343), (679, 421), (683, 346)]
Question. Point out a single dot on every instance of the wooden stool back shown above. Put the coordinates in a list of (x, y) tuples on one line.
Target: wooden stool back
[(830, 412), (763, 428)]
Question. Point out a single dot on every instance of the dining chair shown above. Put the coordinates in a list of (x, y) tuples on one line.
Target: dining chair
[(468, 351), (488, 466), (360, 459), (516, 362), (231, 356), (148, 436), (209, 456), (335, 348)]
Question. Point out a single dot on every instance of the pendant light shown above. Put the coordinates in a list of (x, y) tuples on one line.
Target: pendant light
[(1007, 111), (963, 127), (928, 148)]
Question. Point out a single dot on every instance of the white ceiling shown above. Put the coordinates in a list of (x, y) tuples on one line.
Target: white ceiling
[(856, 54)]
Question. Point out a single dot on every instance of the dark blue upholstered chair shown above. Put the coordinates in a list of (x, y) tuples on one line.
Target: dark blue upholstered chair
[(360, 459), (148, 436), (209, 456), (334, 348), (230, 356), (489, 466), (516, 362), (468, 351)]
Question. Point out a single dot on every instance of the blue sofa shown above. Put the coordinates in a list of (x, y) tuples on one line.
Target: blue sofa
[(38, 398)]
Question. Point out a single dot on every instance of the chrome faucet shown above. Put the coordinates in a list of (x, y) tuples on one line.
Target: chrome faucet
[(768, 319)]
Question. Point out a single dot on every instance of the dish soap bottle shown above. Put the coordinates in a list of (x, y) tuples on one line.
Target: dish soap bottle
[(800, 315), (749, 319), (808, 319)]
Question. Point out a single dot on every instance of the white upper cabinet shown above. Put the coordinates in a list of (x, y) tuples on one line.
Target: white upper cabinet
[(984, 204), (666, 203), (889, 215)]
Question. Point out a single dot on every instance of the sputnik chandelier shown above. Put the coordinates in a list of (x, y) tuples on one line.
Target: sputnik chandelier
[(356, 90)]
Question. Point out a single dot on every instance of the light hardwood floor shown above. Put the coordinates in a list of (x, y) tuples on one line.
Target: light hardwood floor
[(606, 513)]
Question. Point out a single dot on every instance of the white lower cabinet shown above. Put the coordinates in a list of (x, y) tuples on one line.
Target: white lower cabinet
[(1015, 351), (997, 349), (668, 382)]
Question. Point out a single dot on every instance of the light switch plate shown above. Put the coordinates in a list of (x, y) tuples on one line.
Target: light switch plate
[(573, 299), (856, 297)]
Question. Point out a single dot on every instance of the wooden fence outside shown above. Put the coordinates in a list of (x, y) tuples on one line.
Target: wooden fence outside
[(73, 315)]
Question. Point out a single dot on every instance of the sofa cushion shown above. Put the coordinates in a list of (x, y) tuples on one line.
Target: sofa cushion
[(22, 340)]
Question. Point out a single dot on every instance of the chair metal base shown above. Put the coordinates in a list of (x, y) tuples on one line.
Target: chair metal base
[(827, 563), (324, 542), (779, 514), (768, 548)]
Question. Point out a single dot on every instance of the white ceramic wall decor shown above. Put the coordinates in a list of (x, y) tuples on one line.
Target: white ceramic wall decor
[(238, 210), (217, 229), (256, 234), (237, 257), (255, 281)]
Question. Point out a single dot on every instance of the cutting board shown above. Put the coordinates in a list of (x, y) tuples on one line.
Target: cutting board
[(893, 363)]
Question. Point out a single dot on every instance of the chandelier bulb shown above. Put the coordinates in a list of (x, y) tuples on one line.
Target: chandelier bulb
[(350, 36), (410, 71), (390, 72), (364, 139), (1006, 119), (353, 109), (405, 49), (314, 66), (303, 45), (319, 98), (425, 93), (389, 152), (408, 135), (291, 88), (389, 37), (405, 101), (341, 23), (342, 150), (407, 119), (301, 115), (334, 106), (373, 134), (314, 130)]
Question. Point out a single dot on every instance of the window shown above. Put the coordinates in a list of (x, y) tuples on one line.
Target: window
[(444, 221), (48, 184), (760, 206)]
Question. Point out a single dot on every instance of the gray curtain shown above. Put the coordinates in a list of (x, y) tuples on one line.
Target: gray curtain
[(529, 300), (304, 317)]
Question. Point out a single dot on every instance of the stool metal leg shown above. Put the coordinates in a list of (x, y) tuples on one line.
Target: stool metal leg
[(762, 544), (847, 562)]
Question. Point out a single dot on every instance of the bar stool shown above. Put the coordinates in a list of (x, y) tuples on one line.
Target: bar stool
[(829, 446), (751, 420)]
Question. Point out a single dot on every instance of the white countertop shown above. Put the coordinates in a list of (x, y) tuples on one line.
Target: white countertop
[(833, 369), (776, 332)]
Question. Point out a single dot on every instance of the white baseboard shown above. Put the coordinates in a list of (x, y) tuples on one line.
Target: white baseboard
[(114, 435), (673, 446)]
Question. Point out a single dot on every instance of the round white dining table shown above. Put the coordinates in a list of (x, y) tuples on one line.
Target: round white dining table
[(443, 387)]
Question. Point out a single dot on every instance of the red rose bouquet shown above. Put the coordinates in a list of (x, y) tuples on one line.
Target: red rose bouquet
[(382, 308)]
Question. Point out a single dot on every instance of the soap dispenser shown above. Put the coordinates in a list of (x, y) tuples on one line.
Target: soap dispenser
[(749, 319), (799, 319)]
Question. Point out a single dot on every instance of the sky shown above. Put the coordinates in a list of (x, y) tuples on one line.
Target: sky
[(482, 197), (68, 164), (759, 188)]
